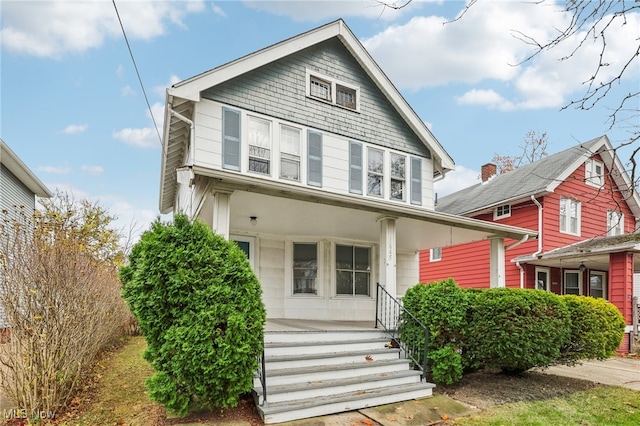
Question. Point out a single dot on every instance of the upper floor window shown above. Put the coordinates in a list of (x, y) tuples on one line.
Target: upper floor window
[(375, 172), (398, 171), (615, 222), (594, 172), (259, 138), (330, 90), (569, 216), (290, 138), (503, 211), (320, 88)]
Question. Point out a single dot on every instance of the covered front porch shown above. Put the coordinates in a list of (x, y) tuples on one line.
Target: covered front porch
[(319, 255)]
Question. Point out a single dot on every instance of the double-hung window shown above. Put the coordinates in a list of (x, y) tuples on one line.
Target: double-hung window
[(353, 270), (615, 223), (259, 138), (594, 172), (569, 216), (398, 172), (305, 268), (375, 172), (319, 88), (345, 97), (290, 153)]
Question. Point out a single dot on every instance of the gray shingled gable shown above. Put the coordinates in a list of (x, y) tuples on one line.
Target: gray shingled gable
[(522, 182)]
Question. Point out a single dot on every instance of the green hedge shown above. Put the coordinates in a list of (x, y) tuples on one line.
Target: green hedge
[(514, 329), (199, 306), (597, 329), (443, 307)]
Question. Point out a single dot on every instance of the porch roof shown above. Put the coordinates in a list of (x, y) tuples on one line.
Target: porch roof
[(305, 211), (594, 253)]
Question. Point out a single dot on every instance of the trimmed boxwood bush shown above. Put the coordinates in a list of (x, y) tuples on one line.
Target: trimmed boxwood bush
[(597, 329), (443, 307), (199, 306), (515, 329)]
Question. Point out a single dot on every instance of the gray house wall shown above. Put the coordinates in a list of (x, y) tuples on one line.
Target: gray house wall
[(278, 89), (15, 197)]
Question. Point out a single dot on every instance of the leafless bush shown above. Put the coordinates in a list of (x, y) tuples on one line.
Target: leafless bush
[(62, 305)]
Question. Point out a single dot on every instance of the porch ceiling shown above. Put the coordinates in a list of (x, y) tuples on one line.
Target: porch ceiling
[(317, 214)]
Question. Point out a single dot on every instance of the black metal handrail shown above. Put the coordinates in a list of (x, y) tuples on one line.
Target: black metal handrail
[(262, 375), (393, 318)]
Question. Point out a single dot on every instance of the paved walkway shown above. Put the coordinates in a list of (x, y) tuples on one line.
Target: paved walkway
[(616, 371)]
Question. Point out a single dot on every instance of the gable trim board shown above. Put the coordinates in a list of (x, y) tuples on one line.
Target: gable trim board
[(181, 95), (10, 161)]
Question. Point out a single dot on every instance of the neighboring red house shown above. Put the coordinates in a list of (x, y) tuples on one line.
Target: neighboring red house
[(587, 218)]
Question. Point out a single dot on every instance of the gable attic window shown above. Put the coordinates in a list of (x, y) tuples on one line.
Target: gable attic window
[(332, 91), (502, 212), (594, 173)]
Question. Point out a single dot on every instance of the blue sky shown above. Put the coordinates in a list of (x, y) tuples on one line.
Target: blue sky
[(73, 110)]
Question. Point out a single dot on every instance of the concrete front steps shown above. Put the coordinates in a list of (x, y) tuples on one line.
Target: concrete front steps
[(314, 373)]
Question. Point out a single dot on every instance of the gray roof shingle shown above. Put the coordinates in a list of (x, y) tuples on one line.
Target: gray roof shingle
[(522, 182)]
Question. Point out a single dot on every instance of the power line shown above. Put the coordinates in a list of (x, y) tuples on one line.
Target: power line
[(144, 92)]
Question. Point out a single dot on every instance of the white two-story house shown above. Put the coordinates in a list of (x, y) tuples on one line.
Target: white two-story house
[(307, 155)]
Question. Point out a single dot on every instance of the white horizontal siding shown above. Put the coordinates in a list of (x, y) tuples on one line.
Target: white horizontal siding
[(335, 152), (407, 271), (271, 274)]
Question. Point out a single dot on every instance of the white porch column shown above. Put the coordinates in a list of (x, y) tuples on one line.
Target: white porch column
[(388, 254), (221, 213), (497, 268)]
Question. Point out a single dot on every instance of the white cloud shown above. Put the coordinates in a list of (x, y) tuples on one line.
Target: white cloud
[(127, 91), (92, 170), (54, 170), (218, 10), (73, 129), (482, 47), (145, 137), (322, 10), (54, 28), (456, 180)]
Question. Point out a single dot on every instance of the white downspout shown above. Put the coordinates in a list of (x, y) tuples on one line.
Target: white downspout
[(192, 152), (537, 252)]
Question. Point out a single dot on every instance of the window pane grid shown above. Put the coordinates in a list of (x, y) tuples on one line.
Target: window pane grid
[(320, 89), (353, 270)]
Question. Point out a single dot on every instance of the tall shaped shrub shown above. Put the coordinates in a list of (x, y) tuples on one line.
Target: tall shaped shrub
[(199, 306), (597, 328)]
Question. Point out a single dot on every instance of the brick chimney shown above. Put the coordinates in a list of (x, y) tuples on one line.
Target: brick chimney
[(487, 171)]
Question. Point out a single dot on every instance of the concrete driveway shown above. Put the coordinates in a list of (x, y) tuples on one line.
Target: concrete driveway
[(615, 371)]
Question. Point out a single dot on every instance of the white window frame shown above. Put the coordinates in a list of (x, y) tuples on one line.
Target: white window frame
[(335, 269), (568, 202), (591, 174), (603, 277), (499, 212), (269, 160), (289, 156), (318, 268), (547, 284), (402, 180), (435, 254), (334, 85), (615, 223), (381, 173), (564, 280)]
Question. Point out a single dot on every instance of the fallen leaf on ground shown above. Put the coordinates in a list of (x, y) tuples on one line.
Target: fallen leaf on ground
[(368, 358), (409, 417), (366, 422), (444, 417)]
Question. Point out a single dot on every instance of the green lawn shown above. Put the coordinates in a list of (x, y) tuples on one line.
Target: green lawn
[(607, 405), (120, 398)]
